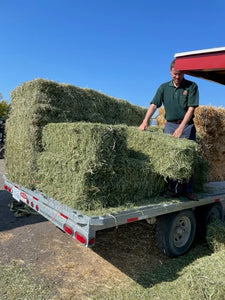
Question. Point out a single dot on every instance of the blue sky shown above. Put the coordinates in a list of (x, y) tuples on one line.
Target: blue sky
[(122, 48)]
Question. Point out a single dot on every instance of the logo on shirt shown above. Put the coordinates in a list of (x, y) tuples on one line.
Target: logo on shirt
[(185, 92)]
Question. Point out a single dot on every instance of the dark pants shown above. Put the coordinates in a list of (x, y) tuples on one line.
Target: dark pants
[(190, 134)]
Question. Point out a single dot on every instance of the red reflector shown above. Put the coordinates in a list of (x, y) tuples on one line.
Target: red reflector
[(28, 201), (64, 216), (132, 220), (37, 207), (80, 238), (68, 229), (23, 195), (5, 187), (217, 200), (32, 204), (9, 189), (35, 198), (91, 242)]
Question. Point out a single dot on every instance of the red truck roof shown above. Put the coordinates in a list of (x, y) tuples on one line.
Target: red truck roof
[(208, 64)]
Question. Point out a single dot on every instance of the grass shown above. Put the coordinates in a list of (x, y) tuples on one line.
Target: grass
[(18, 283), (197, 275)]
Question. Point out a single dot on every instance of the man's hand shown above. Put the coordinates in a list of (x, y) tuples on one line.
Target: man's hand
[(178, 132), (143, 126)]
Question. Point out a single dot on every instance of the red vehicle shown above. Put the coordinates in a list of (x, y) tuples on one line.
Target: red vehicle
[(208, 64)]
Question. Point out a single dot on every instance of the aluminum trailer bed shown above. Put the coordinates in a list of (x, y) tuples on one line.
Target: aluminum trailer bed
[(83, 227)]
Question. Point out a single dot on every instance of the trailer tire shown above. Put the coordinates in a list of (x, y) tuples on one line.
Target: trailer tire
[(175, 232), (206, 214)]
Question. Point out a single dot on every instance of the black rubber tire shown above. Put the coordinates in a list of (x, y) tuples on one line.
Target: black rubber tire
[(175, 232), (2, 153), (204, 215)]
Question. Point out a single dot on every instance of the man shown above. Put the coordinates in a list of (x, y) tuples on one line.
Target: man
[(180, 97)]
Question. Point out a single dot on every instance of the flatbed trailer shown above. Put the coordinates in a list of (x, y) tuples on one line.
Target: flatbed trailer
[(177, 220), (174, 235)]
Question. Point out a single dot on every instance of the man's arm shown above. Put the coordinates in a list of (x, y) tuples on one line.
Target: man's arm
[(186, 119), (144, 125)]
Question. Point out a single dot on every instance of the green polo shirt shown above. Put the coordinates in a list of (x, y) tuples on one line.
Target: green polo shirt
[(177, 100)]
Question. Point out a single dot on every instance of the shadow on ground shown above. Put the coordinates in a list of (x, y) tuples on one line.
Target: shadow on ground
[(133, 250), (7, 217)]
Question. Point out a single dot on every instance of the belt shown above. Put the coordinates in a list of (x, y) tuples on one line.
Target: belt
[(179, 122), (176, 121)]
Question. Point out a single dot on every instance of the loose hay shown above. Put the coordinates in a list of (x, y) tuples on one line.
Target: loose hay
[(216, 236)]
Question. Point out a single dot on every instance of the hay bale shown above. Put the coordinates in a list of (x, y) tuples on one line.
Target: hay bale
[(87, 166), (161, 121), (91, 166), (170, 157), (39, 102), (210, 126), (215, 235)]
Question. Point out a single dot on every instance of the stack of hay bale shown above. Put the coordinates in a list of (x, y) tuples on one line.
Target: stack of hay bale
[(84, 148), (39, 102), (210, 126)]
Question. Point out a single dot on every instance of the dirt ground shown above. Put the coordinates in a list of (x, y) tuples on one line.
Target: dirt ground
[(119, 257)]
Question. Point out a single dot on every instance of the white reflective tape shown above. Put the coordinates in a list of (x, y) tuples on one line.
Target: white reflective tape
[(16, 193)]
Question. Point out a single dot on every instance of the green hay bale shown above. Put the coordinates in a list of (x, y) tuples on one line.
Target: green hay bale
[(87, 167), (39, 102), (201, 173), (93, 166), (216, 236), (171, 158)]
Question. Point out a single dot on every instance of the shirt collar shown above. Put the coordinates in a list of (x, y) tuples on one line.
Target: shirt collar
[(182, 83)]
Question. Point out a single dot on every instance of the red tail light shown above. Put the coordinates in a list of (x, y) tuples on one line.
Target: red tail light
[(91, 242), (7, 188), (80, 238), (68, 229)]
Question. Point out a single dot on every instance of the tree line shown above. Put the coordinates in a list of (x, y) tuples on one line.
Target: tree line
[(4, 108)]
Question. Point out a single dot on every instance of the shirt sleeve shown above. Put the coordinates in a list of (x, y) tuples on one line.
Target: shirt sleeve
[(158, 98), (193, 99)]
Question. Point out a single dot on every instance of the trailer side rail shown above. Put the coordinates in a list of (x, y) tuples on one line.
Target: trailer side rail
[(83, 227)]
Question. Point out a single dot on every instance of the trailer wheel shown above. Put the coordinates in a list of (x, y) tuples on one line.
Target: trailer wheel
[(205, 215), (175, 232)]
